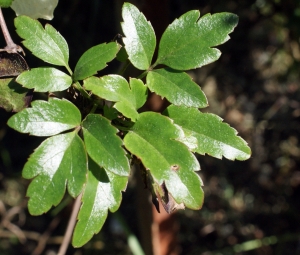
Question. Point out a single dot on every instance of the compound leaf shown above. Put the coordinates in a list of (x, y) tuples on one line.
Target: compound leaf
[(45, 79), (103, 145), (95, 59), (46, 44), (102, 193), (59, 161), (153, 139), (115, 88), (177, 87), (46, 118), (140, 40), (187, 42), (214, 137)]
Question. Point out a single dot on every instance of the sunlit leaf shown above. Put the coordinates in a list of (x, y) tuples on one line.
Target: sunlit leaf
[(103, 145), (214, 137), (139, 40), (187, 43), (46, 44), (45, 79), (102, 193), (153, 139), (115, 88), (46, 118), (58, 162), (95, 59), (35, 8), (177, 87)]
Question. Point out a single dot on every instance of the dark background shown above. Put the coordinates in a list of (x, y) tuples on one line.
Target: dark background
[(250, 207)]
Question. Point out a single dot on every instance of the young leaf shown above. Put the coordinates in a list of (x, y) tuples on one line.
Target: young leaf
[(187, 43), (214, 137), (103, 145), (177, 87), (35, 8), (46, 118), (59, 161), (45, 79), (140, 40), (102, 193), (13, 97), (46, 44), (95, 59), (153, 140), (115, 88)]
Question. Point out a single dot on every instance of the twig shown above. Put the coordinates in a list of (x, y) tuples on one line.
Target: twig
[(11, 47), (71, 224)]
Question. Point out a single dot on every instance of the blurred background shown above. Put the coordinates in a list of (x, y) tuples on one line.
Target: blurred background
[(250, 207)]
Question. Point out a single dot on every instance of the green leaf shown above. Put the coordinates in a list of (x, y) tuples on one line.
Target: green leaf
[(102, 193), (45, 79), (177, 87), (153, 140), (187, 43), (5, 3), (59, 161), (46, 44), (214, 137), (95, 59), (13, 98), (115, 88), (35, 8), (140, 40), (46, 118), (103, 145)]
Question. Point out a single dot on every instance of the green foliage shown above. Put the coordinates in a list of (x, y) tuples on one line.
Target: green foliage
[(5, 3), (89, 137)]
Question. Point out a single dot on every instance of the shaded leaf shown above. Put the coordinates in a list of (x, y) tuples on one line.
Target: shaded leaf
[(45, 79), (58, 161), (46, 118), (140, 40), (103, 145), (187, 42), (115, 88), (214, 137), (153, 140), (95, 59), (177, 87), (102, 193), (46, 44), (35, 8), (13, 97), (11, 64)]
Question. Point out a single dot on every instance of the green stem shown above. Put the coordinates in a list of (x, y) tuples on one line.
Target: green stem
[(77, 86), (142, 75), (125, 66), (69, 70)]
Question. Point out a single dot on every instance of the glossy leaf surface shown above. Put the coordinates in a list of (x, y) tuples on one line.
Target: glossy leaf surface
[(140, 40), (187, 43), (115, 88), (102, 193), (214, 137), (95, 59), (46, 44), (153, 141), (46, 118), (177, 87), (58, 162), (103, 145), (45, 79)]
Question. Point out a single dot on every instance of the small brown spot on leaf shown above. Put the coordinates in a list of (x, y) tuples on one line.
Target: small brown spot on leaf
[(175, 168)]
